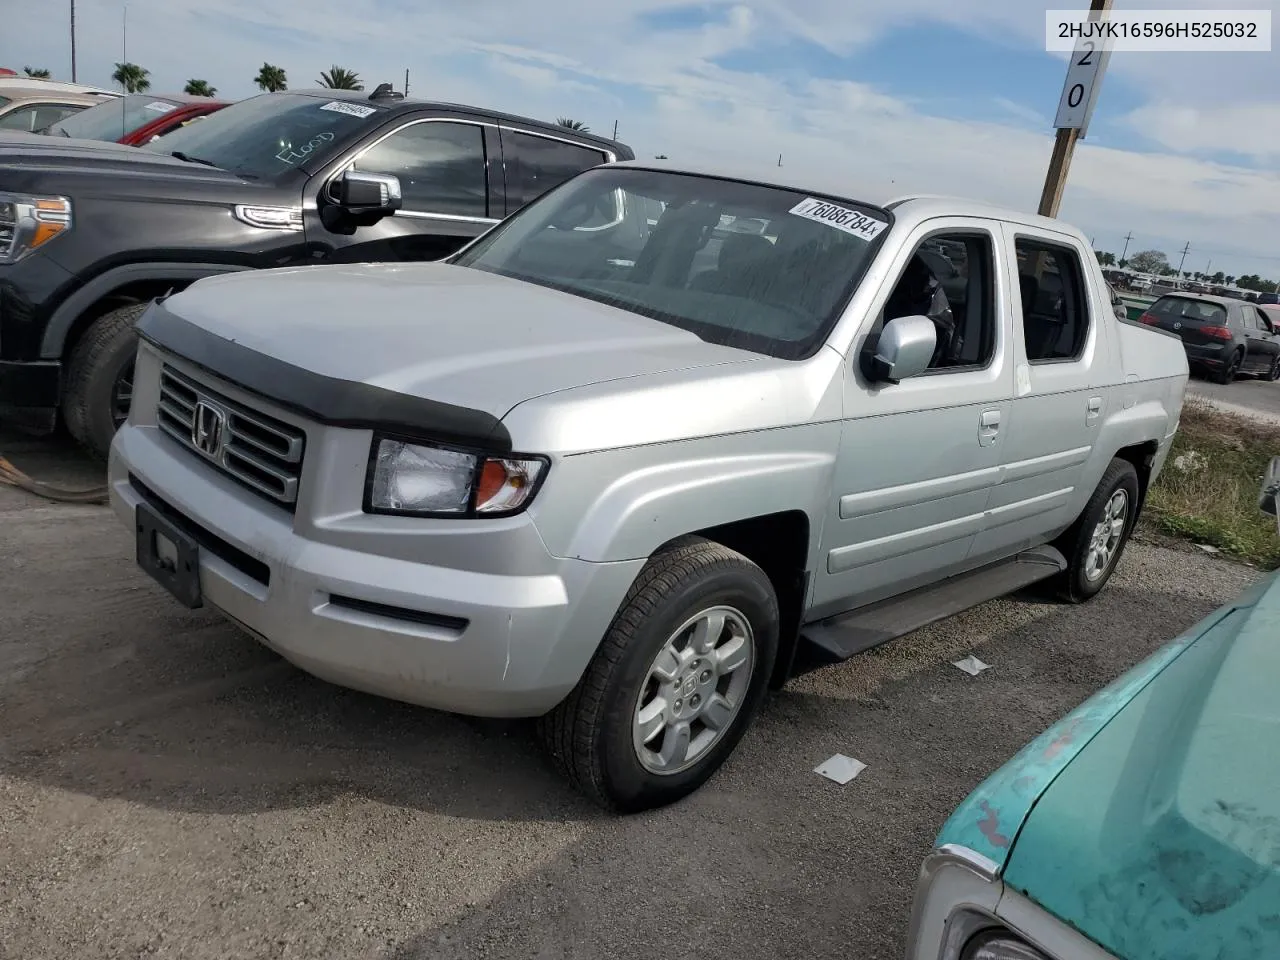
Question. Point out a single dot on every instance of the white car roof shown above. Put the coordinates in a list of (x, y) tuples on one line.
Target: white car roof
[(54, 86), (916, 206)]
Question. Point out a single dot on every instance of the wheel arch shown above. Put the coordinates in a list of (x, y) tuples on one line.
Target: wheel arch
[(131, 283)]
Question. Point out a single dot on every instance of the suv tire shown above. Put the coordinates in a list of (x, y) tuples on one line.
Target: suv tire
[(101, 366), (1094, 543), (597, 735)]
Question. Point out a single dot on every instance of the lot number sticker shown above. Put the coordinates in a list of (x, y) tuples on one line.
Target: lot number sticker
[(842, 218), (160, 107), (350, 109)]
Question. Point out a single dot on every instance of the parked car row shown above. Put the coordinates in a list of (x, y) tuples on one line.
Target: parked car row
[(91, 232), (1223, 336)]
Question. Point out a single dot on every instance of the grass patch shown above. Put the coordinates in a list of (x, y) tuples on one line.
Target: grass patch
[(1213, 498)]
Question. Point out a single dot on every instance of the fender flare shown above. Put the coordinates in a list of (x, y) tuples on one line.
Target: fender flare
[(70, 310)]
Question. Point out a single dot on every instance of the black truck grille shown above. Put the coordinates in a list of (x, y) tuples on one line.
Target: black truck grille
[(258, 450)]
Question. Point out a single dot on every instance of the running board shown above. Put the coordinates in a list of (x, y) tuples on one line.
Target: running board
[(834, 640)]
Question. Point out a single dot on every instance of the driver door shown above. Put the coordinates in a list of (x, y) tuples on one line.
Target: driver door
[(450, 176)]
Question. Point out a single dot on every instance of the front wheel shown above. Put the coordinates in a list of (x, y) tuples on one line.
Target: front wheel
[(678, 677), (99, 388), (1094, 543), (1273, 372)]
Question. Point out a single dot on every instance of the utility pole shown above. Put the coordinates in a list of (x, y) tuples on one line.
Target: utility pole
[(124, 34), (73, 41), (1127, 239), (1079, 94), (779, 159), (406, 81), (1184, 257), (615, 129)]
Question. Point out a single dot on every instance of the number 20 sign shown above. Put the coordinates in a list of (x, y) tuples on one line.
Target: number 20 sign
[(1080, 92)]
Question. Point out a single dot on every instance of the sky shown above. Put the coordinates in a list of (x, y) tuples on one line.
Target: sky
[(953, 97)]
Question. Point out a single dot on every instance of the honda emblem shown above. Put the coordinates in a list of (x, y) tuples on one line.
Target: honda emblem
[(208, 426)]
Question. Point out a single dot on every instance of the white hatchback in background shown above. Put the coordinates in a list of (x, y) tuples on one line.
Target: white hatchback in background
[(626, 477)]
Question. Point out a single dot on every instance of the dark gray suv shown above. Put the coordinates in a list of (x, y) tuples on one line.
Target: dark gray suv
[(1224, 336)]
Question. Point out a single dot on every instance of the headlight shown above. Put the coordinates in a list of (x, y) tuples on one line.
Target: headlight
[(426, 480), (30, 222), (1000, 945)]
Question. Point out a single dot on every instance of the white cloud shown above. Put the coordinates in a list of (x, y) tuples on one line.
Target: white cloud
[(586, 60)]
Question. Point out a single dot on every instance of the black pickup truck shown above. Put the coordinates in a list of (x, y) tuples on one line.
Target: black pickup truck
[(90, 233)]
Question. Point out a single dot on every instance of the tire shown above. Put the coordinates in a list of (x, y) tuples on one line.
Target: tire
[(592, 735), (1228, 373), (1273, 372), (100, 360), (1082, 579)]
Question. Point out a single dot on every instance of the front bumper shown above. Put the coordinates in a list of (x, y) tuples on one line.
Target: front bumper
[(497, 645), (33, 383)]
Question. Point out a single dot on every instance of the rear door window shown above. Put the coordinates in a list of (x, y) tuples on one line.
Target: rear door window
[(535, 164), (1055, 311)]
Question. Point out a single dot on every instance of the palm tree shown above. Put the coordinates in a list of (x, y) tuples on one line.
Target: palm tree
[(38, 72), (271, 78), (339, 78), (132, 77), (199, 88), (572, 124)]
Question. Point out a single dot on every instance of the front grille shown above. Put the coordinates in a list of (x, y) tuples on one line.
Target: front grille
[(258, 450)]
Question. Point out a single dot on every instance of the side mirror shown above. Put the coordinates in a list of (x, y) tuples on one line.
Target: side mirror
[(903, 350), (1270, 489), (367, 193)]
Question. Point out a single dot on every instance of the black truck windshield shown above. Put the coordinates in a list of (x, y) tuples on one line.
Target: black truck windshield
[(268, 136), (757, 267), (113, 119)]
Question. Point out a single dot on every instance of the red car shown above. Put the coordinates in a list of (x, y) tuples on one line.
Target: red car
[(136, 119)]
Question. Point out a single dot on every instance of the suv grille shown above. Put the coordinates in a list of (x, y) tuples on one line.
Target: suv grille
[(258, 450)]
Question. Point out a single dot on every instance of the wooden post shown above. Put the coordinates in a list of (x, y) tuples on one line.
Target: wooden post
[(1064, 146), (1056, 179)]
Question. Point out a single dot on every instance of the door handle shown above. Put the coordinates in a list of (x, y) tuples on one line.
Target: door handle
[(988, 427), (1094, 409)]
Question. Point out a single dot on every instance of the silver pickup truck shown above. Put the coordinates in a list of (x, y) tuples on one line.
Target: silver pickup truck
[(653, 445)]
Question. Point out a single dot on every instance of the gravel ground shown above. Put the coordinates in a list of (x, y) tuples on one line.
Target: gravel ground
[(169, 788), (1247, 397)]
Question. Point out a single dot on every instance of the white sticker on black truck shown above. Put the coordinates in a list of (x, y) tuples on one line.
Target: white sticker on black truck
[(350, 109), (842, 218)]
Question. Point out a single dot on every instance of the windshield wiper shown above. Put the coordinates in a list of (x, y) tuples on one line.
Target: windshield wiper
[(190, 159)]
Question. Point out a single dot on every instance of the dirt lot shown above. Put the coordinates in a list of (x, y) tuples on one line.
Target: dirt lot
[(169, 788)]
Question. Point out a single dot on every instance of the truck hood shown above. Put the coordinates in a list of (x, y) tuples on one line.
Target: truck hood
[(38, 154), (1161, 837), (438, 332)]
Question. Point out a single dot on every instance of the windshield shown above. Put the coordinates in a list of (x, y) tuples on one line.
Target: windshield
[(760, 268), (113, 119), (268, 135)]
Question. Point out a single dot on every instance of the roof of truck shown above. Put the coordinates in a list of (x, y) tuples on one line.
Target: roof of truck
[(881, 194)]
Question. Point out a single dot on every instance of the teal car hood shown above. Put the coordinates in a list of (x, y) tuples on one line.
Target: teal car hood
[(1160, 840)]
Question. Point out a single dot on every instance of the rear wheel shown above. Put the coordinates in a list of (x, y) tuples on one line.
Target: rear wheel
[(1231, 368), (1094, 543), (1273, 372), (99, 389), (678, 677)]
